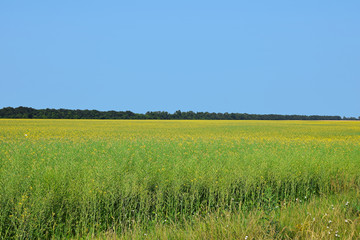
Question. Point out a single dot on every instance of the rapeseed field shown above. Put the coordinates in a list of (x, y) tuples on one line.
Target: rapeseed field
[(190, 179)]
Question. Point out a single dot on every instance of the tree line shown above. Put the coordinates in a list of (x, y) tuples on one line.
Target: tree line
[(27, 112)]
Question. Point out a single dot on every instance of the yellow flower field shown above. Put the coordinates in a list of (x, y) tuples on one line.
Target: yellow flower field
[(161, 179)]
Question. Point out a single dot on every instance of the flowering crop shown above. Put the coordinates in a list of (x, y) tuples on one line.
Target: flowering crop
[(69, 178)]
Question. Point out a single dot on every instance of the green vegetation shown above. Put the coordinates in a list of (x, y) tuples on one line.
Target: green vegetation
[(179, 179), (25, 112)]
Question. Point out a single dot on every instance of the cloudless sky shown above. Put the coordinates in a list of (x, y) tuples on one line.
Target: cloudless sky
[(284, 57)]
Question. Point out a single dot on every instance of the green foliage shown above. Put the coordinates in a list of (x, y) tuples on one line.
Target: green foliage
[(113, 179), (25, 112)]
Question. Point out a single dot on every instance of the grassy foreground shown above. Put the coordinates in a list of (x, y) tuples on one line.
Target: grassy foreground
[(179, 179)]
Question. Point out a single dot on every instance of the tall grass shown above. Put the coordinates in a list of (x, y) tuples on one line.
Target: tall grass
[(73, 178)]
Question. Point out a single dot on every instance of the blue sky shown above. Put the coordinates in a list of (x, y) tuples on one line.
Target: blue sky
[(284, 57)]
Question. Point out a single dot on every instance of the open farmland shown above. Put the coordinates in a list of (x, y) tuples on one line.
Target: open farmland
[(179, 179)]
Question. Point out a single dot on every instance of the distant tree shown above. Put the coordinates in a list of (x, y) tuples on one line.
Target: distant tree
[(26, 112)]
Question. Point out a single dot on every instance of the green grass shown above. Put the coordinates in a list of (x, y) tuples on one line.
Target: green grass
[(179, 179)]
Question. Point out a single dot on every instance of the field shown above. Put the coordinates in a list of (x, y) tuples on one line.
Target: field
[(144, 179)]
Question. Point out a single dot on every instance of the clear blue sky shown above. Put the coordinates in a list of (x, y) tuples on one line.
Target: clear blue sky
[(285, 57)]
